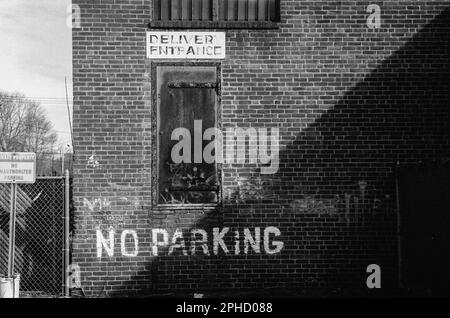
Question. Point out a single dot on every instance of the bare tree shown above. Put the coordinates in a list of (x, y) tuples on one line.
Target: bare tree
[(24, 125)]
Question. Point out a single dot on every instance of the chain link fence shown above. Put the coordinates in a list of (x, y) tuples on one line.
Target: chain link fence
[(40, 240), (53, 164)]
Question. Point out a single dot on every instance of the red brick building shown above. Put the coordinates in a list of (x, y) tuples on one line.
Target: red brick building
[(353, 87)]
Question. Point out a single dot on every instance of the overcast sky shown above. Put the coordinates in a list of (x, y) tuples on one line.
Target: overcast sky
[(36, 55)]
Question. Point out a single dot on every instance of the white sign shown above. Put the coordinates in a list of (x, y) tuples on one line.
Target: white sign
[(185, 45), (19, 167)]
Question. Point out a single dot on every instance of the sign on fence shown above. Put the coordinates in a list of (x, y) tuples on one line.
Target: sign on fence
[(17, 167)]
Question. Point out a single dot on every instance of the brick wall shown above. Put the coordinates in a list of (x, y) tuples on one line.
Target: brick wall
[(350, 101)]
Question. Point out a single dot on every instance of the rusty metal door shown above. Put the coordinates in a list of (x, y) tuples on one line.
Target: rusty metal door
[(187, 99)]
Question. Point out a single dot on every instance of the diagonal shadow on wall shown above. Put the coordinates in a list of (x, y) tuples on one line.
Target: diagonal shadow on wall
[(331, 231)]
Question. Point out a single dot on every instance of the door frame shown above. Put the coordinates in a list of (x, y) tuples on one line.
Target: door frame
[(154, 132)]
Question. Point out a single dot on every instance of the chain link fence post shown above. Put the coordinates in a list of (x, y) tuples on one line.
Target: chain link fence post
[(66, 233)]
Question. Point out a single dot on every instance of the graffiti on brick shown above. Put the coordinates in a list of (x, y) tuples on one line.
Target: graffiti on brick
[(250, 189), (106, 203), (196, 242), (309, 204), (97, 204), (353, 207), (93, 162), (101, 211)]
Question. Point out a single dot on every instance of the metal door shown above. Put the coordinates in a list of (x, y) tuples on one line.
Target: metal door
[(187, 99)]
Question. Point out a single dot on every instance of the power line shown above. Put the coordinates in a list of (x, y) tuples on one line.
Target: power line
[(49, 103), (35, 97), (52, 103)]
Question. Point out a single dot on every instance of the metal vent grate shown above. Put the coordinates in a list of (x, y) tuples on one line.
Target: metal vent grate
[(217, 10)]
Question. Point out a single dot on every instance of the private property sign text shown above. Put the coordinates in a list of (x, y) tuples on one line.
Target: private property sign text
[(17, 167), (185, 45)]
